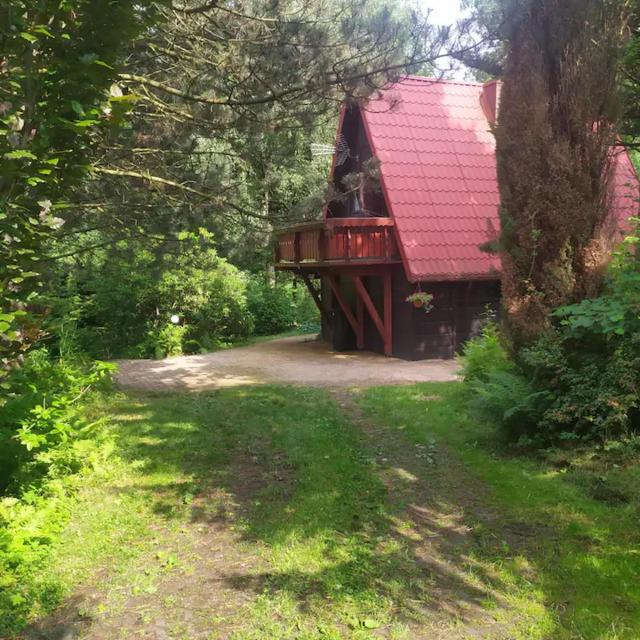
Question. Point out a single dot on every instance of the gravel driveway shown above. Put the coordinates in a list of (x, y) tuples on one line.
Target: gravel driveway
[(299, 360)]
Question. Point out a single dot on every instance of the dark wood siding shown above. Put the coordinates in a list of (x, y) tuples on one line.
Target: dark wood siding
[(458, 309)]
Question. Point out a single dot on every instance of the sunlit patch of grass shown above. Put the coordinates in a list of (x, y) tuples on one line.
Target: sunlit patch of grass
[(298, 486), (328, 553), (581, 559)]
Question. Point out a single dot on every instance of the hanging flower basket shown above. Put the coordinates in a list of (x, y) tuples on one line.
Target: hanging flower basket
[(421, 300)]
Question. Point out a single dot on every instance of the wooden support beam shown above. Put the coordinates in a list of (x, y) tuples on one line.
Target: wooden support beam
[(315, 295), (335, 287), (388, 315), (360, 319), (373, 312)]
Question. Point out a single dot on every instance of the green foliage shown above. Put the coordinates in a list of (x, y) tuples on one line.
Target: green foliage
[(617, 313), (57, 68), (46, 440), (507, 399), (591, 393), (485, 353), (41, 417), (281, 306), (498, 391), (166, 340), (580, 380), (421, 299), (120, 299)]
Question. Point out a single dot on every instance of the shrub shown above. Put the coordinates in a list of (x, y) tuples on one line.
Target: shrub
[(581, 379), (191, 347), (272, 307), (119, 299), (165, 341), (280, 307), (46, 439), (41, 417), (593, 393), (498, 391), (485, 354), (508, 399)]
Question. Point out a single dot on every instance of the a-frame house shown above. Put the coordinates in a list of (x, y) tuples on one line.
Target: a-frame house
[(419, 226)]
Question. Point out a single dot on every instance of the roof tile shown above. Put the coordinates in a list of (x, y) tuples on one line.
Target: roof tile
[(438, 170)]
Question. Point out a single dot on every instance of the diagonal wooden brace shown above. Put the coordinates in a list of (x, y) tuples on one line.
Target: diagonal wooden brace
[(315, 295), (384, 328), (357, 328)]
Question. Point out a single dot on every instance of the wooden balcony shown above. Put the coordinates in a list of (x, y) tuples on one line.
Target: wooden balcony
[(337, 241)]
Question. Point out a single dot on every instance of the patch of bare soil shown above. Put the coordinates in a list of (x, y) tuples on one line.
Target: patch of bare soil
[(438, 508), (300, 360)]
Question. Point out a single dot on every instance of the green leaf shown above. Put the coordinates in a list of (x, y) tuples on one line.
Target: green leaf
[(84, 123), (28, 37), (101, 63), (19, 154), (40, 28), (77, 107)]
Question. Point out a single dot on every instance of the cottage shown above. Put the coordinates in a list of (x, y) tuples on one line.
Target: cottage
[(414, 172)]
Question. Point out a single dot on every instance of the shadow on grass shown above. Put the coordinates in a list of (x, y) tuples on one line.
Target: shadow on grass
[(286, 468)]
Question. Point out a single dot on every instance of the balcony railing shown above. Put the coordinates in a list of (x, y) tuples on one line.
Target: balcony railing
[(337, 241)]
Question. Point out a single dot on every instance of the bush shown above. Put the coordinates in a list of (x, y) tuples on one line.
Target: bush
[(507, 397), (280, 307), (118, 300), (498, 391), (593, 394), (165, 341), (579, 381), (46, 440), (191, 347), (41, 417), (485, 354)]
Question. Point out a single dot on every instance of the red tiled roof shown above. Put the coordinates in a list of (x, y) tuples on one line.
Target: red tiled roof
[(438, 171)]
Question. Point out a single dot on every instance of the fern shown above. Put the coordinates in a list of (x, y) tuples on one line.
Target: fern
[(508, 398)]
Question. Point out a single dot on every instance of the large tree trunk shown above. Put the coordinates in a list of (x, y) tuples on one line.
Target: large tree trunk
[(556, 127)]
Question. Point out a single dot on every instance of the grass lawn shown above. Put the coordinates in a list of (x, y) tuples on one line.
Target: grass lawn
[(280, 512), (584, 553)]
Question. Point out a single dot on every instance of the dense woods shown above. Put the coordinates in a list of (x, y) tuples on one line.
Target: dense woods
[(148, 150)]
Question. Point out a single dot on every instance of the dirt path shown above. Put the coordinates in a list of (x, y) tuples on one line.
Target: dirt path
[(298, 360), (437, 506), (201, 576)]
